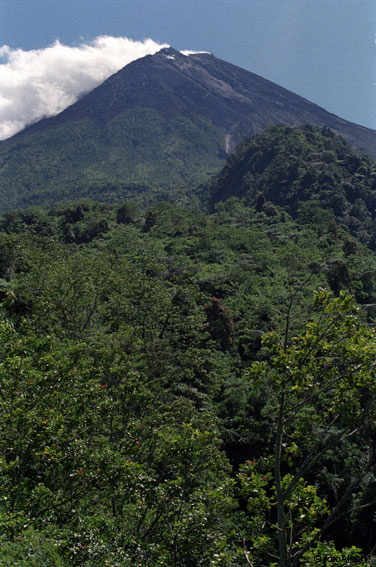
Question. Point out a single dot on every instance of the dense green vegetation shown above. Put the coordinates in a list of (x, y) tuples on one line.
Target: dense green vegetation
[(301, 169), (181, 389), (156, 159)]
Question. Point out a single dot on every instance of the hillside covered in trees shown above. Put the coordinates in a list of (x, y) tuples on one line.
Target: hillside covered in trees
[(302, 169), (187, 389)]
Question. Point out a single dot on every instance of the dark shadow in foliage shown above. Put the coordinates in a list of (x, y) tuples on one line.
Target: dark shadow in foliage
[(339, 277), (125, 214), (221, 325), (150, 221), (84, 221)]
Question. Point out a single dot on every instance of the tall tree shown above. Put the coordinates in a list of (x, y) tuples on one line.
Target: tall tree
[(321, 387)]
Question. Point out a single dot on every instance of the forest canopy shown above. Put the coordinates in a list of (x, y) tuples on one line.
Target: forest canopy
[(184, 389)]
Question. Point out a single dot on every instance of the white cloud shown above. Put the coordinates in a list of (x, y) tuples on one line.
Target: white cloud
[(42, 82), (187, 52)]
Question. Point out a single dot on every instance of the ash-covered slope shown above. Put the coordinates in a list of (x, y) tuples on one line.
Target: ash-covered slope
[(166, 120)]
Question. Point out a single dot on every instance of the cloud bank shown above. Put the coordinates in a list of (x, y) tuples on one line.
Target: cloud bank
[(43, 82)]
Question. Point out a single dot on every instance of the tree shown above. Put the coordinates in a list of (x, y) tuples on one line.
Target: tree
[(321, 386)]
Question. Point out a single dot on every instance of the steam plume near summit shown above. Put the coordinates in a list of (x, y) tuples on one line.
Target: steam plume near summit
[(42, 82)]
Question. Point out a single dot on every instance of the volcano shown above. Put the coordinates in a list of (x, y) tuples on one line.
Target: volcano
[(163, 124)]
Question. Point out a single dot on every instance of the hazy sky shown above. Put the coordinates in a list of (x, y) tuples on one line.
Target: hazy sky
[(323, 50)]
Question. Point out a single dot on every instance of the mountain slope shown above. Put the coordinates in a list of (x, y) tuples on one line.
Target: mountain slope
[(165, 121), (307, 171)]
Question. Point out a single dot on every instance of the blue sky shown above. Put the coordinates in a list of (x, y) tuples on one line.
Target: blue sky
[(321, 49)]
